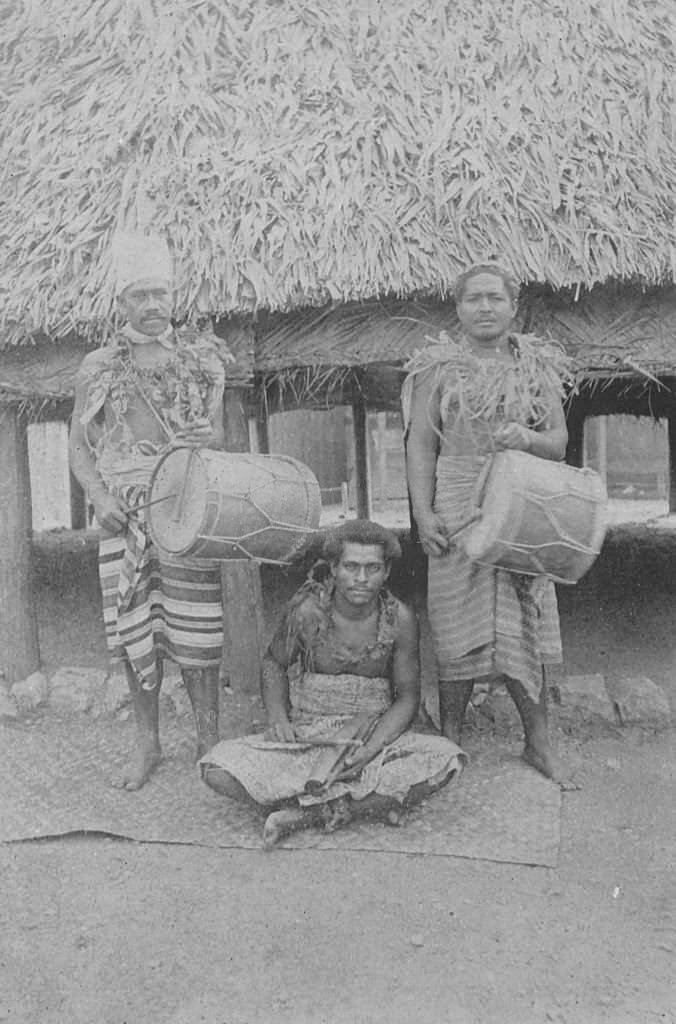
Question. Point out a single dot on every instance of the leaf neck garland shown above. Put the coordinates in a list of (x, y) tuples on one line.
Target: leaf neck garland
[(185, 387), (486, 388)]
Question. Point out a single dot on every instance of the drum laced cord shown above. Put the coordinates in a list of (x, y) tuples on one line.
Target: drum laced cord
[(172, 442)]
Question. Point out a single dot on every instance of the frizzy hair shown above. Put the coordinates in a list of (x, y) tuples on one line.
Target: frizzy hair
[(510, 282), (360, 531)]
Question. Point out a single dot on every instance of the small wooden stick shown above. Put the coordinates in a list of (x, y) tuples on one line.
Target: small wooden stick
[(328, 742), (155, 501), (177, 514)]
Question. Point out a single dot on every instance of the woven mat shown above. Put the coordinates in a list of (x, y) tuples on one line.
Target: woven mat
[(55, 779)]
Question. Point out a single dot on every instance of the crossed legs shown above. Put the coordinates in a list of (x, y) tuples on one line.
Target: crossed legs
[(293, 818)]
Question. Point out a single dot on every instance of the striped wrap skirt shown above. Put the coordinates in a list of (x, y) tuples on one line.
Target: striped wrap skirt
[(486, 623), (154, 606)]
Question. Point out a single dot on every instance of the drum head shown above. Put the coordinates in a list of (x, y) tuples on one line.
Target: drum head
[(179, 487)]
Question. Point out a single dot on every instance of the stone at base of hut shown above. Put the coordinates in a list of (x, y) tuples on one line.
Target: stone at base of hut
[(8, 708), (31, 692), (76, 689), (586, 696), (640, 701)]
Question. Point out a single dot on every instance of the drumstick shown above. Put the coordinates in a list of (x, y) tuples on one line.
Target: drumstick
[(178, 507), (155, 501), (328, 742)]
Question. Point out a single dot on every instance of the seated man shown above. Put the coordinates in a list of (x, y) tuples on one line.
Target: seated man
[(341, 686)]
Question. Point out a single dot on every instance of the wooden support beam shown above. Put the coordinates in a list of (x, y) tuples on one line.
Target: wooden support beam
[(244, 625), (262, 430), (78, 505), (575, 449), (361, 458), (671, 435), (236, 419), (382, 459), (19, 649), (240, 578)]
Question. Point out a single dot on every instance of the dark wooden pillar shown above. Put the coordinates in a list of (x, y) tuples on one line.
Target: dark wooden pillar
[(236, 419), (361, 458), (240, 578), (244, 624), (671, 434), (78, 505), (575, 422), (262, 430), (19, 649)]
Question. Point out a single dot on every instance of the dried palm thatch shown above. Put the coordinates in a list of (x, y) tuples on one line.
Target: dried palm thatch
[(607, 329), (304, 152)]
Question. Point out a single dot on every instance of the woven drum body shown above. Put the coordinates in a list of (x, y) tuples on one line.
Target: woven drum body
[(223, 505), (537, 518)]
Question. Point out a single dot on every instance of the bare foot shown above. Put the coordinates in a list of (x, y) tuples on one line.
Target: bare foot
[(280, 824), (143, 761), (546, 762)]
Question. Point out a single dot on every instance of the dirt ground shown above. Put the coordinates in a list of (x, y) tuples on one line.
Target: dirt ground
[(109, 931)]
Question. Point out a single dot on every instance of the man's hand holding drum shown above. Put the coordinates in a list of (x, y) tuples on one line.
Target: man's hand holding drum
[(201, 433), (513, 436), (110, 510), (432, 532)]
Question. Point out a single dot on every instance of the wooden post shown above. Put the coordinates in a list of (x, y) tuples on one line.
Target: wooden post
[(602, 434), (19, 649), (236, 420), (671, 435), (78, 505), (243, 623), (262, 431), (382, 459), (575, 450), (361, 458)]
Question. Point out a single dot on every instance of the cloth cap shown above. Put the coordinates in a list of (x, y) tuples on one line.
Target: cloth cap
[(137, 257)]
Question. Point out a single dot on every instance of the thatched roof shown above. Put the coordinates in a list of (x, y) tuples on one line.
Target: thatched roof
[(611, 329), (311, 152)]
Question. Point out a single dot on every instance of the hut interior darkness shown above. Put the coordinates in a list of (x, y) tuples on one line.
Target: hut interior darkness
[(323, 172)]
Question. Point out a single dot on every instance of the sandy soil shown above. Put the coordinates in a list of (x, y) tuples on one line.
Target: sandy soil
[(115, 932)]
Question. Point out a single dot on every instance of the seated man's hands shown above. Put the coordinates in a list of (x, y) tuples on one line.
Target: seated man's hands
[(358, 759), (281, 731)]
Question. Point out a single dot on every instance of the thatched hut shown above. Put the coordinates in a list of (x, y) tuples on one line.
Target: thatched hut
[(323, 172)]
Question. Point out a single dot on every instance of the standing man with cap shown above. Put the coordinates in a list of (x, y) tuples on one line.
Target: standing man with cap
[(151, 387)]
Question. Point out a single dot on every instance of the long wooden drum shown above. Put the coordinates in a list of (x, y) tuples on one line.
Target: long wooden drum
[(537, 517), (223, 505)]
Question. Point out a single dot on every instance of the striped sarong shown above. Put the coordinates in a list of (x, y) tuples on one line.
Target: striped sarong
[(173, 610), (486, 623), (154, 606), (320, 704)]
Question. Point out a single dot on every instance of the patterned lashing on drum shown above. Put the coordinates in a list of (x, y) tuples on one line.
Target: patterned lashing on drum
[(175, 611), (486, 622)]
